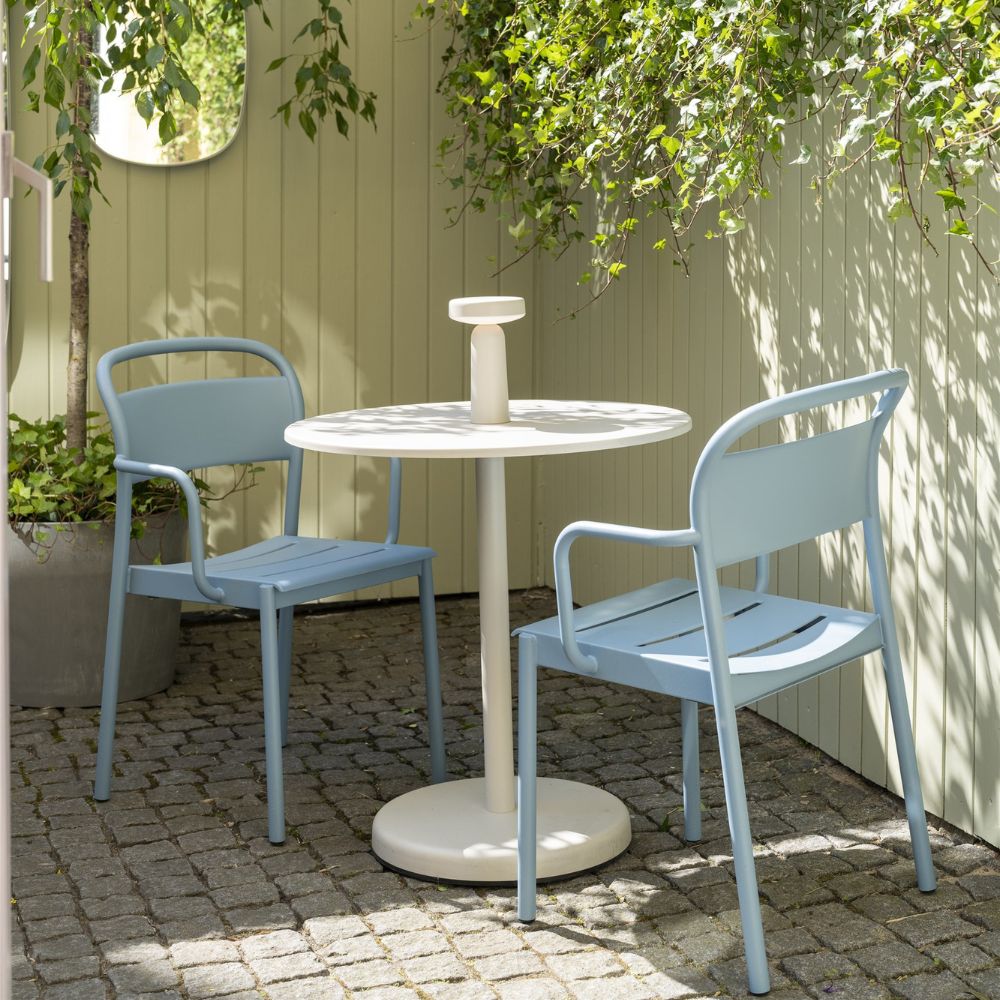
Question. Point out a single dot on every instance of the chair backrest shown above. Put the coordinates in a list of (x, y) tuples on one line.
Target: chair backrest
[(206, 422), (748, 503)]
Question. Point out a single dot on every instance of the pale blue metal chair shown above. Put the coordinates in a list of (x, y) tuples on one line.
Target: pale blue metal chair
[(167, 430), (712, 645)]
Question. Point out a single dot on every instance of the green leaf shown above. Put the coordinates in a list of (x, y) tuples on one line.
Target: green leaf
[(189, 92), (307, 124), (144, 105), (952, 199), (54, 86), (899, 209), (30, 67), (167, 127), (671, 144)]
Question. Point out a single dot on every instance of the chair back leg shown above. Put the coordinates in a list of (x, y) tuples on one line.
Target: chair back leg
[(270, 670), (898, 709), (113, 646), (527, 801), (912, 793), (432, 674), (285, 621), (739, 829), (691, 769)]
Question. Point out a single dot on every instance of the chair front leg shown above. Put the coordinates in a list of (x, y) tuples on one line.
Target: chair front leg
[(691, 769), (285, 622), (113, 646), (270, 670), (527, 800), (739, 829), (432, 674)]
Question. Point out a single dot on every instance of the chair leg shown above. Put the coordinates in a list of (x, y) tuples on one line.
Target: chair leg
[(285, 619), (113, 651), (746, 874), (272, 717), (912, 794), (527, 801), (692, 773), (432, 674)]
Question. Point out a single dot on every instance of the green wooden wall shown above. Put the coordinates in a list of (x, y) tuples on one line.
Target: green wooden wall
[(338, 253), (809, 293)]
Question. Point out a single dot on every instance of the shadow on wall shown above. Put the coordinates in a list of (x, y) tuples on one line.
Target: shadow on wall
[(812, 292)]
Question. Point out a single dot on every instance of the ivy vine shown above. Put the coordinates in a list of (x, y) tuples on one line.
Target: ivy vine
[(671, 108)]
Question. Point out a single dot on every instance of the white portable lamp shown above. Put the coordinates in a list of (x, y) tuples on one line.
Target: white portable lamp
[(485, 313)]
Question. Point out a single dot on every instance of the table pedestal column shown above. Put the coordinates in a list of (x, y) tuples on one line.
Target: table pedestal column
[(494, 634)]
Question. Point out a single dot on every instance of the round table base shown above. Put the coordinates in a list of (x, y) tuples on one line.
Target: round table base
[(444, 832)]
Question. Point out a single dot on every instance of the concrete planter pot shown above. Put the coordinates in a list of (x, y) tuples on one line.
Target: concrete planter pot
[(59, 613)]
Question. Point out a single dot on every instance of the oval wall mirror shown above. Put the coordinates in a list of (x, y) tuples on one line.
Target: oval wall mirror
[(217, 66)]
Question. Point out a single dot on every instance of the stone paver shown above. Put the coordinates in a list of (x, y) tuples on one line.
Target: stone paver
[(172, 890)]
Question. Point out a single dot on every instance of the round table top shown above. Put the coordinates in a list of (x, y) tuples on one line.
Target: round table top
[(444, 430)]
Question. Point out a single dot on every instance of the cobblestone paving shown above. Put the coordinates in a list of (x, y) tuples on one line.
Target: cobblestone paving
[(172, 889)]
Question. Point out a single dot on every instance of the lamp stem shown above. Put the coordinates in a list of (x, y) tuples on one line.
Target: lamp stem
[(490, 397)]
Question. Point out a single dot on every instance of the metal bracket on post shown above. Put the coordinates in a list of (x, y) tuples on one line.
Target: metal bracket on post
[(42, 183)]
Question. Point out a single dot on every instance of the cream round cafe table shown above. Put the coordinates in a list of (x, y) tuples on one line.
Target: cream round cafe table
[(465, 831)]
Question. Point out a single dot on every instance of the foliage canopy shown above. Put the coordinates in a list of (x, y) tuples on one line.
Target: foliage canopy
[(665, 107)]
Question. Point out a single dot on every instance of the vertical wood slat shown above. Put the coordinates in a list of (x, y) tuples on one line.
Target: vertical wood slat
[(831, 338), (961, 508), (930, 687), (810, 373), (857, 213), (337, 219), (789, 209), (985, 764), (410, 177), (874, 720), (446, 357)]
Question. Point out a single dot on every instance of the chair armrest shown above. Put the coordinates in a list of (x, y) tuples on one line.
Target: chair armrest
[(395, 495), (183, 480), (564, 586)]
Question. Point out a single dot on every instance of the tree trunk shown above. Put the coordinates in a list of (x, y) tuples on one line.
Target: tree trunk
[(79, 332), (79, 282)]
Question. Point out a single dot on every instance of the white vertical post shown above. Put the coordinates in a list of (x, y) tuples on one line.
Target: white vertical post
[(9, 169), (6, 183)]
